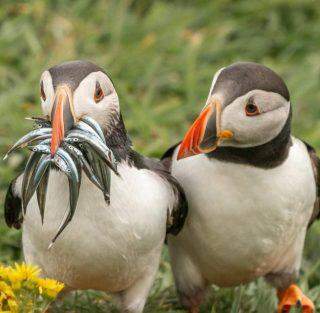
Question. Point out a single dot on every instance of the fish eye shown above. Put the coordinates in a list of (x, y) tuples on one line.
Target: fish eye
[(42, 93), (98, 93)]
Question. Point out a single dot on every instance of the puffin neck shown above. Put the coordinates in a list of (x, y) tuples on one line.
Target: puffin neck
[(268, 155), (118, 141)]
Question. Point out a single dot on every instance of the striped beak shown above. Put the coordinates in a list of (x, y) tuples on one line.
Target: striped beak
[(62, 116), (205, 133)]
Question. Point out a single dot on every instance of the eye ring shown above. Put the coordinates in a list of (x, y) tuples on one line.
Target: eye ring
[(252, 109), (98, 93), (42, 93)]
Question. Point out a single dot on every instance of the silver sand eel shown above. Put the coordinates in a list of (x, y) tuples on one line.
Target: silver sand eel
[(83, 148)]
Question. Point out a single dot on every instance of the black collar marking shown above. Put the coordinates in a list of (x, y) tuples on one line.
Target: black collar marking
[(268, 155), (118, 141), (120, 144), (238, 79)]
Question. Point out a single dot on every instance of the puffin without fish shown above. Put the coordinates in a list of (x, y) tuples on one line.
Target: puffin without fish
[(113, 247), (251, 188)]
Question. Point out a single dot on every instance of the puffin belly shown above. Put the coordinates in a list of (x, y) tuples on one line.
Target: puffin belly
[(245, 222), (104, 247)]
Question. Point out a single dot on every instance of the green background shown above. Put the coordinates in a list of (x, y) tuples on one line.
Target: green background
[(162, 56)]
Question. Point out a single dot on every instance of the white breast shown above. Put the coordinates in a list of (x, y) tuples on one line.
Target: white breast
[(104, 247), (245, 221)]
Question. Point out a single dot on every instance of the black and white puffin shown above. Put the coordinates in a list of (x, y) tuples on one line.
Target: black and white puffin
[(251, 186), (112, 247)]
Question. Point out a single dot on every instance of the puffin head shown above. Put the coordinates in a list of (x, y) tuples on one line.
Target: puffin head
[(75, 89), (248, 106)]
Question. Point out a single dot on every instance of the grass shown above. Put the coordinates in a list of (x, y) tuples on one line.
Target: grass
[(161, 56)]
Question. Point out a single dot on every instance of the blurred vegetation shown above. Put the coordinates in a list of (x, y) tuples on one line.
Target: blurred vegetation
[(161, 56)]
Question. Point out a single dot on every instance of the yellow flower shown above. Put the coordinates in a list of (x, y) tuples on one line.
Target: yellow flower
[(6, 289), (24, 272), (3, 272), (21, 287), (49, 287)]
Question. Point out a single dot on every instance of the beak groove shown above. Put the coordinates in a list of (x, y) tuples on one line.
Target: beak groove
[(61, 116), (199, 138)]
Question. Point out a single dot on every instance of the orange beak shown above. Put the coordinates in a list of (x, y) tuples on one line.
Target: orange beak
[(62, 116), (205, 133)]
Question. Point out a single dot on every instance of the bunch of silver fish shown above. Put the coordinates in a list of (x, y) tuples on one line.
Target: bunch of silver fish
[(83, 148)]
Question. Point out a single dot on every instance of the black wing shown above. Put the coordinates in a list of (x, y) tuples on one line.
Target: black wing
[(13, 207), (166, 161), (315, 161), (177, 215)]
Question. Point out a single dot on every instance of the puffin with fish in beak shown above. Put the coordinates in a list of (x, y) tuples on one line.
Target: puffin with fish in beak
[(113, 239), (252, 190)]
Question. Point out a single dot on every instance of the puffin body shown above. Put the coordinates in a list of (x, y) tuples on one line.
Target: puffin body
[(106, 247), (247, 222), (113, 247), (251, 188)]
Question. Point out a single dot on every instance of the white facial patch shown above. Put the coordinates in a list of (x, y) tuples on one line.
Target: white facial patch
[(48, 91), (250, 131), (84, 103)]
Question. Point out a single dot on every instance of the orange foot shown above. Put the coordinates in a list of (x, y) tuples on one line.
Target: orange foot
[(293, 297)]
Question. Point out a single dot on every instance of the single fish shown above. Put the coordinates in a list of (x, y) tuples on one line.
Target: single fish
[(41, 182), (35, 178), (28, 172), (34, 135), (42, 193), (73, 197), (70, 163), (40, 148), (39, 120), (60, 164), (91, 122), (102, 171), (45, 142), (106, 175)]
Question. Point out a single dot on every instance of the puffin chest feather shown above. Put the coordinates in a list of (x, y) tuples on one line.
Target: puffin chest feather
[(104, 244), (242, 217)]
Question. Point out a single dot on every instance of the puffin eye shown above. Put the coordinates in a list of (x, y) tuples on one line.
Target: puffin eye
[(42, 93), (251, 109), (98, 94)]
